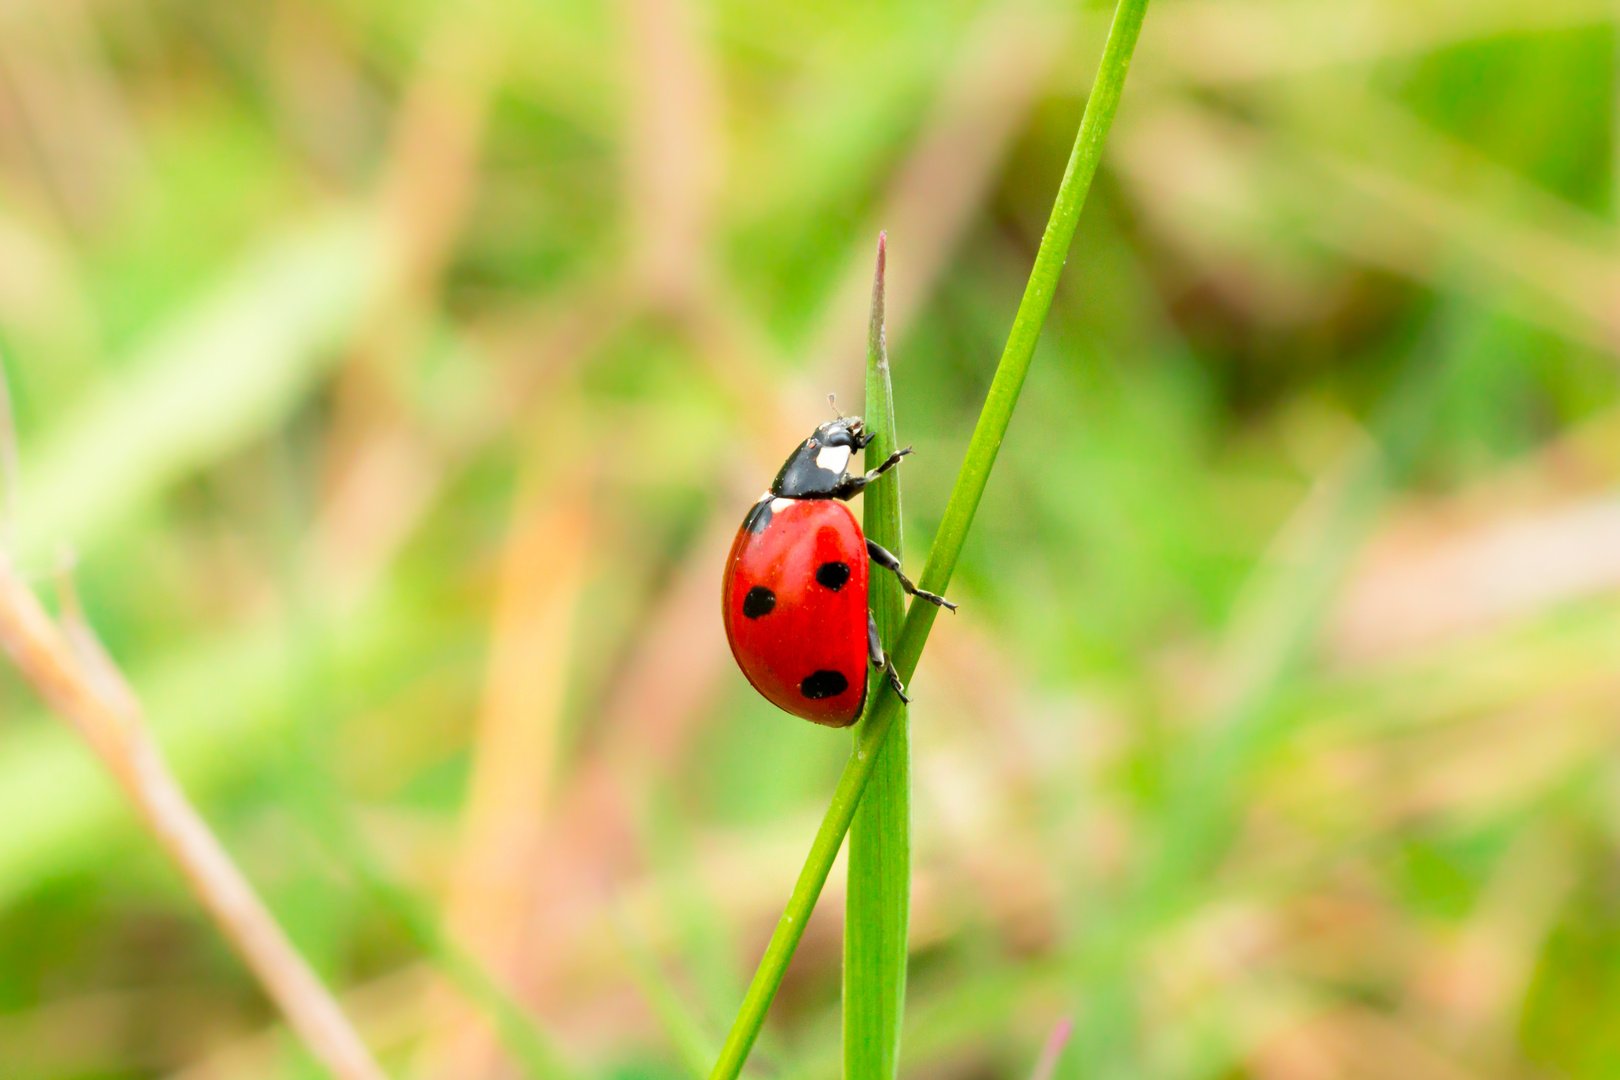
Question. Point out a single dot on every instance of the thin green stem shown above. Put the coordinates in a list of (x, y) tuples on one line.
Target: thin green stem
[(964, 503), (877, 905), (685, 1031), (531, 1048)]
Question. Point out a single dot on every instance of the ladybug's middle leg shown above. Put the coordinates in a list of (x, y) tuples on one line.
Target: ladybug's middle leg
[(874, 649), (849, 486), (885, 558)]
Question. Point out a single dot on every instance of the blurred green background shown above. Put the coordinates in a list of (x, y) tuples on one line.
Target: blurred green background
[(397, 374)]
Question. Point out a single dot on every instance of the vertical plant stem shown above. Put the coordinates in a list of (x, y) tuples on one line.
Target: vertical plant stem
[(877, 906), (964, 502)]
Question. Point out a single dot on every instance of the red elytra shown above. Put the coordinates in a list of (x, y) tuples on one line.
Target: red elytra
[(794, 594), (794, 606)]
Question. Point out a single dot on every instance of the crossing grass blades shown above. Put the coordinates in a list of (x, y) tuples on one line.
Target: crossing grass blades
[(876, 1054)]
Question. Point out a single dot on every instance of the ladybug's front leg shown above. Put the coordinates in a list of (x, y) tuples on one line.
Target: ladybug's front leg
[(850, 486), (885, 558), (874, 648)]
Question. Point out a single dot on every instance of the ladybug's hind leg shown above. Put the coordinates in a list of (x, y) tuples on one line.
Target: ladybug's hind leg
[(885, 558), (874, 648), (851, 485)]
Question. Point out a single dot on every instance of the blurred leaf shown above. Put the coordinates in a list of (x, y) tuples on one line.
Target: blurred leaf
[(225, 372)]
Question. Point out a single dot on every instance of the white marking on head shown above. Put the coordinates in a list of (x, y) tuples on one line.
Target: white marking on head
[(835, 459), (779, 505)]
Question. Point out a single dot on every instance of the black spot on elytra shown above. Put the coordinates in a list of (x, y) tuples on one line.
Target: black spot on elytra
[(823, 684), (759, 601), (832, 574)]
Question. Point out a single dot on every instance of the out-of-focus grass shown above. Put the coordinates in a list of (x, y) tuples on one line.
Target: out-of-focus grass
[(290, 454)]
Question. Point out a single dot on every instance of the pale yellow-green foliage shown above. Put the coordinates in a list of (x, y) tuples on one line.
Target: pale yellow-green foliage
[(398, 373)]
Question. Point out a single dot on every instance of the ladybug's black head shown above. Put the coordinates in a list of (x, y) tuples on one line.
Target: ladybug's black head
[(847, 431), (818, 465)]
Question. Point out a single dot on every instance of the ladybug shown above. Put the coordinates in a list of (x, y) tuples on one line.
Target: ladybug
[(794, 594)]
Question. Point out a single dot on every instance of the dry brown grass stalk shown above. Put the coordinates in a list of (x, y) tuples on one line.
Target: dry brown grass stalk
[(66, 665)]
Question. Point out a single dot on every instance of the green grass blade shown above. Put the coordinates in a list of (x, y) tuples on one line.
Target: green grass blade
[(878, 904), (531, 1047), (225, 371), (964, 502), (683, 1028), (1287, 599)]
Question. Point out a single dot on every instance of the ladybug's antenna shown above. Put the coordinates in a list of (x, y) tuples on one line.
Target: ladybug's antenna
[(832, 399)]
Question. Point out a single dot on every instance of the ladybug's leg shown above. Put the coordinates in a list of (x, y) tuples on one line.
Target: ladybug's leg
[(852, 484), (874, 649), (884, 558)]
